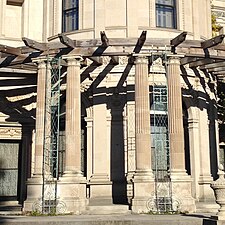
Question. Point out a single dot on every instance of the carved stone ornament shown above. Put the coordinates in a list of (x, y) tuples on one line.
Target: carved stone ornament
[(8, 133), (218, 187), (157, 66)]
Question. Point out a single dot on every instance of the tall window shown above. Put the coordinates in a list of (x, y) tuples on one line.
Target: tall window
[(166, 13), (70, 15)]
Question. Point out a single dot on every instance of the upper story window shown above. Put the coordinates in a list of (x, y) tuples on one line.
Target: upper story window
[(166, 13), (70, 15)]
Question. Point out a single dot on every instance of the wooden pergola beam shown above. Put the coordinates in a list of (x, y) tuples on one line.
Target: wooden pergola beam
[(213, 65), (10, 50), (104, 39), (34, 44), (96, 60), (177, 41), (115, 60), (187, 60), (142, 38), (217, 69), (212, 42), (67, 41), (201, 62)]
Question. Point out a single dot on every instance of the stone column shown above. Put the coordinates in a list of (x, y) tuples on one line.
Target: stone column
[(181, 182), (73, 118), (143, 177), (142, 116), (72, 186), (34, 184), (175, 116)]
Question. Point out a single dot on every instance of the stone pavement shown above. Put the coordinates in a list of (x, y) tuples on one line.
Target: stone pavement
[(192, 219)]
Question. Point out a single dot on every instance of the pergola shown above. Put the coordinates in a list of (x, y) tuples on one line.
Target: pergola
[(207, 55)]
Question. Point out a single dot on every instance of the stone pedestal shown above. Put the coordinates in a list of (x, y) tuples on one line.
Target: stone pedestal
[(143, 177), (181, 182), (218, 187), (100, 189), (71, 193)]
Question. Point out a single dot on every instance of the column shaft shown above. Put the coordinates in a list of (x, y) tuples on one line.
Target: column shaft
[(175, 115), (40, 117), (73, 114), (142, 115)]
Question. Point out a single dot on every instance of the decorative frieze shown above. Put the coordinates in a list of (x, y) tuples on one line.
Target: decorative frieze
[(10, 133)]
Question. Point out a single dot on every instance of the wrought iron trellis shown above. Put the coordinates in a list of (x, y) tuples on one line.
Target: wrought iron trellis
[(51, 136), (161, 148)]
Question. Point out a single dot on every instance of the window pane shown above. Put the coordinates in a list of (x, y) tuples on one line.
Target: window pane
[(165, 14), (68, 4), (165, 2), (70, 15), (70, 20)]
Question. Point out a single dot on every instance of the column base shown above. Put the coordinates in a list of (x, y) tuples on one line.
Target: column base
[(72, 193), (100, 190), (34, 194), (182, 192), (143, 182), (206, 193)]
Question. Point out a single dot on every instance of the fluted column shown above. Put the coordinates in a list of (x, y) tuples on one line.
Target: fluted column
[(40, 116), (143, 182), (142, 116), (73, 120), (35, 183), (175, 116)]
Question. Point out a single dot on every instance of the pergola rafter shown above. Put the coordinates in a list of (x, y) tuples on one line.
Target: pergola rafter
[(207, 55)]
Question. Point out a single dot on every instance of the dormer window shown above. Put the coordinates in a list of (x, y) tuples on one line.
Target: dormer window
[(166, 13), (70, 15)]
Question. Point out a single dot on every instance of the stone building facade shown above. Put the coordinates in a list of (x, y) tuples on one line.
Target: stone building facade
[(138, 122)]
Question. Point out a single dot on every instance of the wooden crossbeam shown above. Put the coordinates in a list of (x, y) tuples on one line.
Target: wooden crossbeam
[(213, 65), (67, 41), (217, 69), (187, 60), (212, 42), (115, 60), (104, 39), (97, 60), (142, 38), (201, 62), (177, 41), (10, 50), (219, 72), (34, 44)]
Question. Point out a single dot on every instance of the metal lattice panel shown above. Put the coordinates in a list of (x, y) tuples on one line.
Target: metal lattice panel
[(160, 147), (51, 137)]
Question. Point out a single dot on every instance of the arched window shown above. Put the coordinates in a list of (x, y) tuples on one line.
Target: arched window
[(70, 15), (166, 13)]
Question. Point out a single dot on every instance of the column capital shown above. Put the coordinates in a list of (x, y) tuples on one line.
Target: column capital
[(41, 62), (73, 60), (141, 58), (174, 59)]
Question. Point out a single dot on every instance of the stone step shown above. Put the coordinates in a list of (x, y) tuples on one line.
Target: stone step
[(9, 209), (207, 207), (107, 209)]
